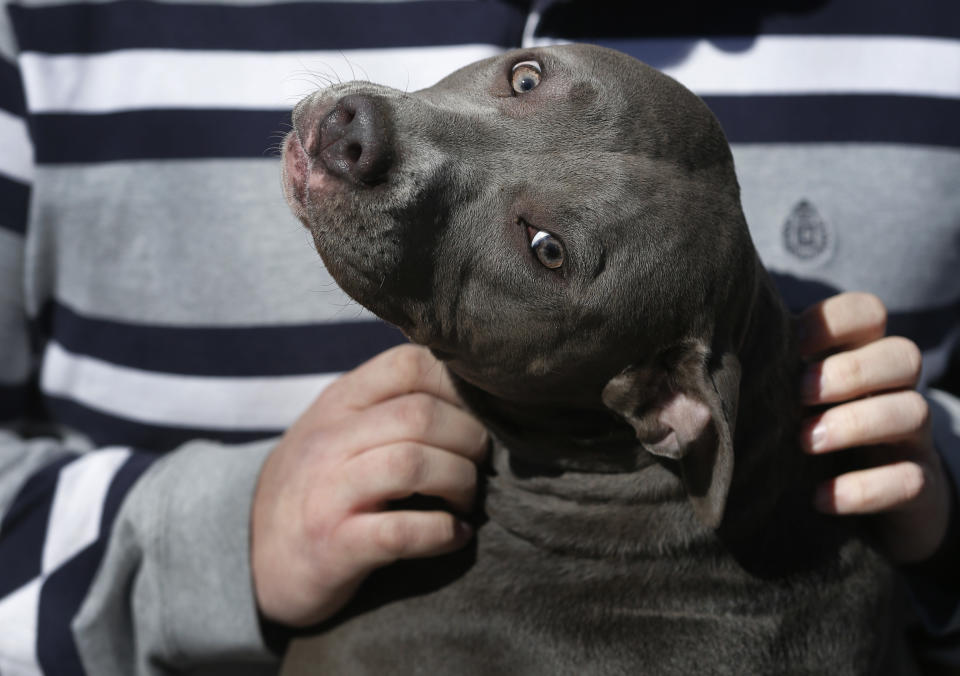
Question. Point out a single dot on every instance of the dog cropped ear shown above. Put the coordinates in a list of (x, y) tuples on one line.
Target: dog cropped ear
[(685, 409)]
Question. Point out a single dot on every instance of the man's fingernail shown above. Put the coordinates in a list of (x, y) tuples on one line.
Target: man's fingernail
[(818, 437), (816, 434)]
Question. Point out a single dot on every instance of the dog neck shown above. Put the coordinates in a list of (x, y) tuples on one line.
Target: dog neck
[(637, 513), (576, 479), (551, 439)]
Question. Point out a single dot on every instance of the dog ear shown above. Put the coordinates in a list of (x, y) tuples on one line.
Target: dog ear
[(684, 408)]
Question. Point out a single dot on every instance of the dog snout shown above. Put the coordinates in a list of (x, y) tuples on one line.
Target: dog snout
[(355, 141)]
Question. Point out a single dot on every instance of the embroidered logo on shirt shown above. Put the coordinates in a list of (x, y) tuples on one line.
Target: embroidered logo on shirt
[(805, 233)]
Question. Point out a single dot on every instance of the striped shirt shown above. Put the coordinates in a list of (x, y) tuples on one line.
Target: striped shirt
[(156, 295)]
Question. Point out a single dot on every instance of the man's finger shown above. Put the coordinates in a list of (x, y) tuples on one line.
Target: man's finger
[(873, 490), (886, 364), (884, 419), (398, 371), (376, 539), (418, 418), (843, 321), (402, 469)]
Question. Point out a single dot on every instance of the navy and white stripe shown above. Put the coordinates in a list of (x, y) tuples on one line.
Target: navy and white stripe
[(270, 351), (50, 547), (581, 21), (225, 94), (169, 92), (233, 384), (807, 75), (806, 64), (62, 29), (16, 160), (14, 401), (838, 119), (14, 198), (180, 79)]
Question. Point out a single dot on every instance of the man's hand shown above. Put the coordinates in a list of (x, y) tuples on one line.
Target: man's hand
[(388, 429), (868, 381)]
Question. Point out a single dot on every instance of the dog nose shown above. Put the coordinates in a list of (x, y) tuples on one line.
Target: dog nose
[(355, 140)]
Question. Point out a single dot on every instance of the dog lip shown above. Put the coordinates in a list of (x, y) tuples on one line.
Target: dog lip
[(306, 119), (296, 168), (303, 177)]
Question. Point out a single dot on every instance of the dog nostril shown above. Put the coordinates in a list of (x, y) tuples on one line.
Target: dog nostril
[(343, 115), (356, 139)]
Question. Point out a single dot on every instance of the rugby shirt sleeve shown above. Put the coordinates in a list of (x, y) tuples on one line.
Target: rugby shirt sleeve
[(114, 564), (175, 589), (111, 561)]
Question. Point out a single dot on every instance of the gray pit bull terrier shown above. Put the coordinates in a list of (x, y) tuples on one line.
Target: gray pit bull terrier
[(562, 227)]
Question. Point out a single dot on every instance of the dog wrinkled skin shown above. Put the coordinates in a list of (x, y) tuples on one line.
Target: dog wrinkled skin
[(647, 506)]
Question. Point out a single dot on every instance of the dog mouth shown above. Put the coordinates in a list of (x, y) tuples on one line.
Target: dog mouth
[(295, 169), (351, 222), (303, 177)]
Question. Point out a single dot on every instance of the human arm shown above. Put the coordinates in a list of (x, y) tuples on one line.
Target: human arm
[(175, 586)]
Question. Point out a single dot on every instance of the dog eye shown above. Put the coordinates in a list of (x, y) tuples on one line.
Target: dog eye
[(548, 249), (525, 76)]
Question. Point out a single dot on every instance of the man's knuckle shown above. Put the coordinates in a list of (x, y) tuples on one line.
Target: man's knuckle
[(406, 362), (850, 371), (316, 517), (407, 463), (416, 414)]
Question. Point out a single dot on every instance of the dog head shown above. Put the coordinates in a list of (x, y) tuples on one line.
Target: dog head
[(561, 225)]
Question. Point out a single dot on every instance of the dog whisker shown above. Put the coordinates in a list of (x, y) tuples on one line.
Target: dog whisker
[(313, 78), (353, 76), (363, 71)]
